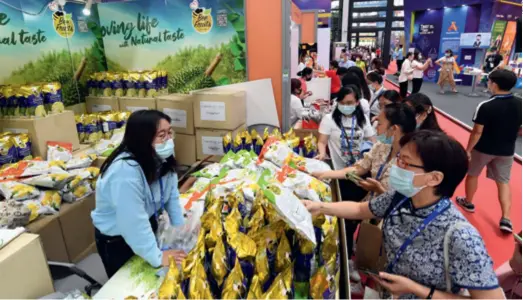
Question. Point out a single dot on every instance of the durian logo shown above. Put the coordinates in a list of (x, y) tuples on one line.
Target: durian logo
[(202, 20), (63, 24)]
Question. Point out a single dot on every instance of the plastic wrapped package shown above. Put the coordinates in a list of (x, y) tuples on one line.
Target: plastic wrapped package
[(7, 150), (13, 190), (59, 151), (86, 173), (170, 287), (28, 168), (23, 146), (255, 290), (50, 181), (210, 171), (82, 190), (37, 209), (13, 214), (304, 185), (50, 199), (234, 287), (310, 146)]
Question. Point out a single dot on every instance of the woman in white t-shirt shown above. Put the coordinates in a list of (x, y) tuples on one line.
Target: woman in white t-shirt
[(419, 68), (296, 101), (344, 130), (406, 74), (446, 73), (352, 78)]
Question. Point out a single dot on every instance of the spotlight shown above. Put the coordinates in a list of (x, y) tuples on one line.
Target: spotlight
[(429, 9), (87, 9)]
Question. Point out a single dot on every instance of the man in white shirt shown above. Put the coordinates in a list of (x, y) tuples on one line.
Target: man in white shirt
[(376, 86)]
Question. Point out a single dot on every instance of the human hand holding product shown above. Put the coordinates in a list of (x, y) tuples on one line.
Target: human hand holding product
[(312, 206), (178, 256), (372, 185)]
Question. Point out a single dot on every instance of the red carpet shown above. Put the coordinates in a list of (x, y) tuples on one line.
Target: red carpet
[(488, 211)]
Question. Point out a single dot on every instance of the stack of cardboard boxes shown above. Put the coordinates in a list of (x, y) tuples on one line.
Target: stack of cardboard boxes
[(199, 120)]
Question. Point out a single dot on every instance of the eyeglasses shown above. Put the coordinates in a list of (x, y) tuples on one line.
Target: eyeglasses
[(403, 164), (164, 135)]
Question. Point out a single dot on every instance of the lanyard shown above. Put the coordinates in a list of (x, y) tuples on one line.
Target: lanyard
[(443, 205), (380, 171), (351, 134), (162, 202)]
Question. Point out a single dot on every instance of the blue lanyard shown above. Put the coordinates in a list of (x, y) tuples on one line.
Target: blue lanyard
[(351, 134), (443, 205), (162, 202), (380, 171)]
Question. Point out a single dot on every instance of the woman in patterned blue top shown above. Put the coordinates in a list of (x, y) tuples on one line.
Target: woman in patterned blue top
[(432, 251)]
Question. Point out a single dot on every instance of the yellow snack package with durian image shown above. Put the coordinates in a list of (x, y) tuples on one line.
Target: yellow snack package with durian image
[(51, 199), (13, 190), (199, 287), (283, 254), (82, 190), (255, 290), (170, 287), (219, 267), (53, 101), (234, 288)]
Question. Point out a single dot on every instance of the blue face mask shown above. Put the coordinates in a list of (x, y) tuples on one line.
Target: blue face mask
[(401, 181), (384, 139), (346, 109), (165, 149)]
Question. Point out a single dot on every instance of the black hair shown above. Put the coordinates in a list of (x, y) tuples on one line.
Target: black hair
[(402, 115), (377, 66), (449, 50), (337, 114), (375, 77), (505, 79), (409, 54), (362, 82), (391, 95), (439, 152), (136, 145), (417, 55), (341, 71), (334, 64), (295, 84), (478, 35), (494, 49), (305, 72), (420, 103), (401, 46), (343, 50)]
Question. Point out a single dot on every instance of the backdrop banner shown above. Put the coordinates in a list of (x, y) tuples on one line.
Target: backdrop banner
[(427, 31), (508, 40), (50, 47), (453, 26), (497, 33), (182, 37)]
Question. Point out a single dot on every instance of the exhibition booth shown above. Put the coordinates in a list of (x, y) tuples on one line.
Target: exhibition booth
[(470, 28), (72, 73)]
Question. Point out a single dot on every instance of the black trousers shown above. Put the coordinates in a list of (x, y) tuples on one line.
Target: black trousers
[(404, 88), (114, 251), (351, 192), (416, 85)]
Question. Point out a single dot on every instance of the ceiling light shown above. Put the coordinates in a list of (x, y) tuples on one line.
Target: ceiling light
[(87, 9)]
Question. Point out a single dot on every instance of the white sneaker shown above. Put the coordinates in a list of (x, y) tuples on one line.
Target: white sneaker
[(353, 272)]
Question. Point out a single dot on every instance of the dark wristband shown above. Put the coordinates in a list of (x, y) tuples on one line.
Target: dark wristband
[(431, 293)]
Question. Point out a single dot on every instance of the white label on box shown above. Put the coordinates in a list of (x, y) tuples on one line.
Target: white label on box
[(212, 145), (101, 107), (135, 108), (16, 130), (178, 117), (212, 111)]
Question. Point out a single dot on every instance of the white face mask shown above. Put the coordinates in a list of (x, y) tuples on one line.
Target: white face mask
[(165, 149)]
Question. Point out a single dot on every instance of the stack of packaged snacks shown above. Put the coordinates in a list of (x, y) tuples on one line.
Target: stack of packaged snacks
[(143, 84), (31, 100), (92, 128), (14, 147), (307, 147), (256, 240)]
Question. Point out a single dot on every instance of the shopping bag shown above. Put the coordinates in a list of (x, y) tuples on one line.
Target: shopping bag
[(369, 249)]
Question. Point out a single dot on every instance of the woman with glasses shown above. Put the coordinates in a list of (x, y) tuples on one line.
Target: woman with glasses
[(137, 183), (431, 249)]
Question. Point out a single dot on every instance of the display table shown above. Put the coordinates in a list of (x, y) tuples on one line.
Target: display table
[(473, 72)]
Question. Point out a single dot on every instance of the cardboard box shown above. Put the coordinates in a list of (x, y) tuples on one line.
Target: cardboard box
[(219, 110), (25, 273), (77, 227), (50, 232), (210, 142), (133, 104), (180, 108), (185, 149), (57, 127), (98, 104), (99, 161)]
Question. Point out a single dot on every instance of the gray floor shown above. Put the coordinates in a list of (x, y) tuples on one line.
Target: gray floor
[(460, 106)]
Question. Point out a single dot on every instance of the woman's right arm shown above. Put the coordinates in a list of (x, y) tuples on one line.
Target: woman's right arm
[(128, 193), (344, 209), (322, 146)]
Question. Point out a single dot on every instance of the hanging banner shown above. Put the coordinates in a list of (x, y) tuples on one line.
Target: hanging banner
[(497, 33), (454, 20), (191, 40), (53, 46), (426, 35), (508, 41)]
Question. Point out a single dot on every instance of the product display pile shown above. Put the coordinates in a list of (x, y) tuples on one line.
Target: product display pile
[(36, 187), (31, 100), (248, 233), (104, 130), (15, 147), (142, 84)]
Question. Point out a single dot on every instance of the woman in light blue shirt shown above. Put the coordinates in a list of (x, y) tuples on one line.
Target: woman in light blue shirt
[(137, 182)]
